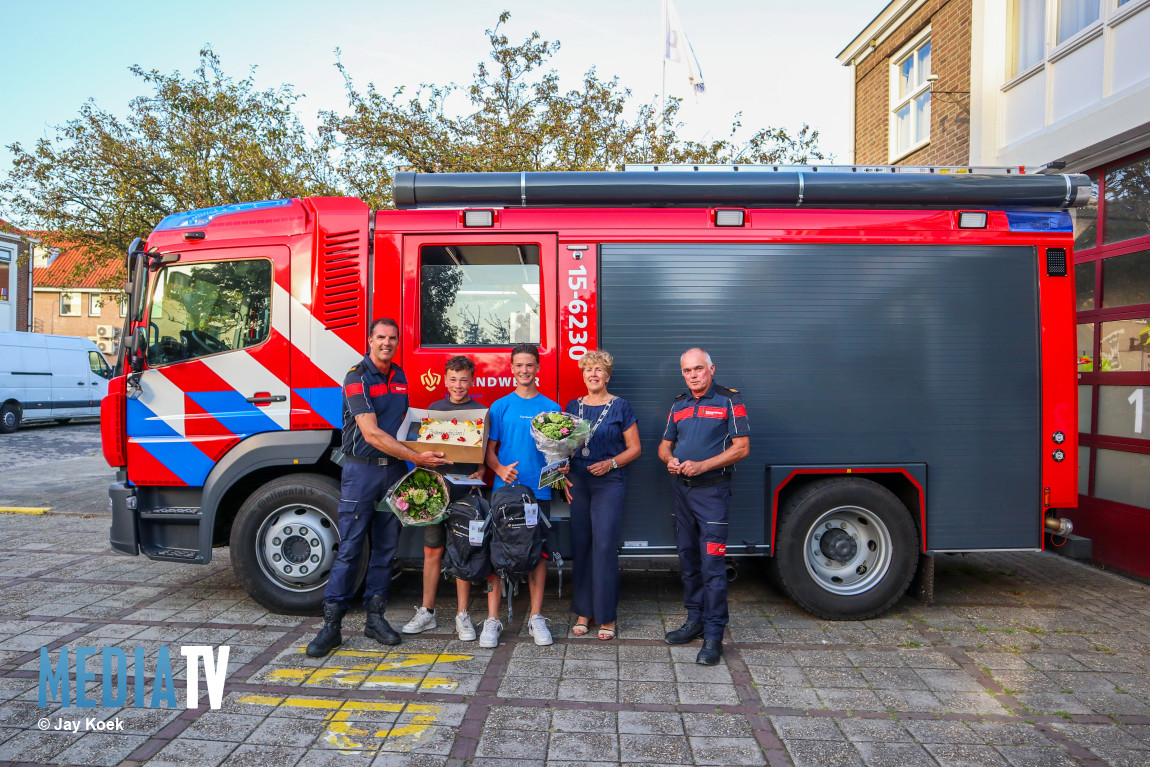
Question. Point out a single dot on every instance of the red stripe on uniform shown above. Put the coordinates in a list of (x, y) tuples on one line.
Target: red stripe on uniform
[(740, 411), (377, 390), (679, 415), (712, 412), (717, 549), (353, 389)]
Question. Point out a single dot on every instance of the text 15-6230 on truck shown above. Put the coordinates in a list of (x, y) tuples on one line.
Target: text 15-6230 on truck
[(903, 341)]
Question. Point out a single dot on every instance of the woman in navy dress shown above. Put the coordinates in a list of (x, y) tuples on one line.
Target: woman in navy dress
[(598, 480)]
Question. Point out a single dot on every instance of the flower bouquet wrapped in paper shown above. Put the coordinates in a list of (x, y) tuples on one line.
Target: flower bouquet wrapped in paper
[(419, 499), (558, 436)]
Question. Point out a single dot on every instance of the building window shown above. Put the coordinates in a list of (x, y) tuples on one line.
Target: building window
[(1028, 25), (1128, 201), (5, 274), (910, 113), (94, 304), (123, 302), (1075, 16), (69, 304), (479, 295)]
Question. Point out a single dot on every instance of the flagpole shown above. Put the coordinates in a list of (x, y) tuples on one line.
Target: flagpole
[(663, 56)]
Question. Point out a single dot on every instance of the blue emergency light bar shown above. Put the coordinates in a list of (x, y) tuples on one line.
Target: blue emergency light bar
[(204, 216)]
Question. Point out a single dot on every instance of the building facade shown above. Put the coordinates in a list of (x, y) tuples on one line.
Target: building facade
[(1064, 85), (72, 297), (15, 279)]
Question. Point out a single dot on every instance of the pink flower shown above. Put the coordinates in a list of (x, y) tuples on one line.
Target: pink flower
[(401, 504), (564, 431)]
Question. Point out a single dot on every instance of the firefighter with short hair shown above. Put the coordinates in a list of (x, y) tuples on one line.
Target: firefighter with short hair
[(374, 406), (707, 433)]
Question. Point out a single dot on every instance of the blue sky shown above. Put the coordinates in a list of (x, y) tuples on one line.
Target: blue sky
[(774, 60)]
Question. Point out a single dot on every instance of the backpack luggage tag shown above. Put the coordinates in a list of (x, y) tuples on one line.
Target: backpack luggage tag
[(475, 530), (531, 514)]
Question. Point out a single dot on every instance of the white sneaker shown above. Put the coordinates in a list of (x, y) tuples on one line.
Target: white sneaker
[(463, 627), (492, 628), (537, 627), (424, 619)]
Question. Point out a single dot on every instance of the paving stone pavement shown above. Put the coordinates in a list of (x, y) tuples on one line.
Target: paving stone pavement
[(1026, 659)]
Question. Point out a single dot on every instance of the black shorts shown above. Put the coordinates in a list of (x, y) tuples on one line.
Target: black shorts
[(435, 536)]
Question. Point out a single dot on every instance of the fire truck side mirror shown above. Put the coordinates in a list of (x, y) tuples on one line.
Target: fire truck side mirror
[(139, 349)]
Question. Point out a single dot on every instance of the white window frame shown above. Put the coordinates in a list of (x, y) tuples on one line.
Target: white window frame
[(94, 307), (7, 258), (896, 103), (1059, 40), (74, 299), (123, 304)]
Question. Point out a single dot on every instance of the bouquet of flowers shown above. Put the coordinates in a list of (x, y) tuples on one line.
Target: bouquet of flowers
[(558, 436), (419, 499)]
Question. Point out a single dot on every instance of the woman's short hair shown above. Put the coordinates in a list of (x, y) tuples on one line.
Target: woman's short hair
[(597, 358)]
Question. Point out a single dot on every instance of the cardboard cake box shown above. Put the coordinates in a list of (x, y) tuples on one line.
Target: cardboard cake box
[(408, 434)]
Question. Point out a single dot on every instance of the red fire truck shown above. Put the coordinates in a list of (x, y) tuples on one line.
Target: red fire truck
[(903, 340)]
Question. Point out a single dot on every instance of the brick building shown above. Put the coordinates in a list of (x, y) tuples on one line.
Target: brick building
[(72, 296), (1063, 84), (911, 97), (15, 278)]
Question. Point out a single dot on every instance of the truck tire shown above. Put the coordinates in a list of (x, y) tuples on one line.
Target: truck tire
[(846, 549), (284, 540), (9, 417)]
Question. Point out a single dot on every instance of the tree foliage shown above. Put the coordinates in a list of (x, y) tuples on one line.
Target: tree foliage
[(191, 143), (521, 119), (205, 140)]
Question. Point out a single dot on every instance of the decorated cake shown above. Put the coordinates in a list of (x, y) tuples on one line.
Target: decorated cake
[(451, 431)]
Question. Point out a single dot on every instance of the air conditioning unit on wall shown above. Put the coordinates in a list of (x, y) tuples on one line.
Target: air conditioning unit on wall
[(106, 331), (105, 346)]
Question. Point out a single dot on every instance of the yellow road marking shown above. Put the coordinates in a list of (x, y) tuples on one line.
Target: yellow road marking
[(24, 509), (348, 736)]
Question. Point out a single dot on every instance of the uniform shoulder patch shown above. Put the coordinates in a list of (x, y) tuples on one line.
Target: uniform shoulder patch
[(684, 394), (353, 368), (726, 389)]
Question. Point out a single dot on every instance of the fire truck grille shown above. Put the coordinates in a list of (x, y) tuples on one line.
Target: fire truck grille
[(339, 279), (1056, 262)]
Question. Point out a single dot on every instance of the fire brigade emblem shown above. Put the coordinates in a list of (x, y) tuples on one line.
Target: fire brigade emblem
[(431, 380)]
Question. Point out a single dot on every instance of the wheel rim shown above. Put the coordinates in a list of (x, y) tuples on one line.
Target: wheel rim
[(848, 550), (9, 418), (296, 546)]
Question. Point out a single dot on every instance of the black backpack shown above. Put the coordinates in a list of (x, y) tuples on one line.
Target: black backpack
[(462, 559), (515, 548)]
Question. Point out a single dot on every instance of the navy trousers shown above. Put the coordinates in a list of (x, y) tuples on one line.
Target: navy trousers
[(701, 537), (362, 485), (596, 513)]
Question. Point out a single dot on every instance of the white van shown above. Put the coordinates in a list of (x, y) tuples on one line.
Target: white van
[(49, 377)]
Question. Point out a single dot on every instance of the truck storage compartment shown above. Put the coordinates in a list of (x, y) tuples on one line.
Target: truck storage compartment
[(843, 354)]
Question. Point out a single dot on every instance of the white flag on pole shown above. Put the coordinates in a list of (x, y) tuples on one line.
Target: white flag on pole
[(677, 48)]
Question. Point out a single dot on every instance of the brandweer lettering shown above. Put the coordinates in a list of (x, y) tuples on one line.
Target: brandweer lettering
[(56, 684)]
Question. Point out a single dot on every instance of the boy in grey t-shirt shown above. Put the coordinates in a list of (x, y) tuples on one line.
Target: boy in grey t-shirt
[(457, 377)]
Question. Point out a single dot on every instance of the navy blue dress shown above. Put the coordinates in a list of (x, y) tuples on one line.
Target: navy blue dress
[(596, 513)]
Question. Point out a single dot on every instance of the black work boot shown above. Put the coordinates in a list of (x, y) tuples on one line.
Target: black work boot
[(711, 653), (377, 626), (688, 632), (329, 637)]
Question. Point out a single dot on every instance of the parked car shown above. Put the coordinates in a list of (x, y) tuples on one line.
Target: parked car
[(46, 377)]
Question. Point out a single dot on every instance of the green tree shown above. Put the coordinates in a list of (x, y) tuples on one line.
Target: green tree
[(521, 119), (190, 143)]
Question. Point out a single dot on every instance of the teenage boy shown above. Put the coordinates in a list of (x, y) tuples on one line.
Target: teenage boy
[(457, 376), (512, 455)]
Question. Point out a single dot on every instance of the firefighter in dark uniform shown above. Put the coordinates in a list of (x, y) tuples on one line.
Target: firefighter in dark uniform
[(374, 406), (707, 433)]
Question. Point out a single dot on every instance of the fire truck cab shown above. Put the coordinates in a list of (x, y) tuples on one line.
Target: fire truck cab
[(903, 341)]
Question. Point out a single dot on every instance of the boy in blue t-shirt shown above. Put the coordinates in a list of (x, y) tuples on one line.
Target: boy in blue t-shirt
[(513, 456)]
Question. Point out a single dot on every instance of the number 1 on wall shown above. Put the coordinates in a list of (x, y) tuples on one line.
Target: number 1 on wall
[(1135, 399)]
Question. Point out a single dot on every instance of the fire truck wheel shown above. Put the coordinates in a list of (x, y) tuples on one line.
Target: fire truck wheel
[(846, 549), (284, 541), (9, 418)]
